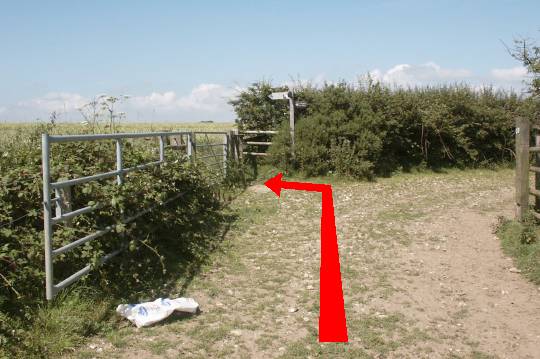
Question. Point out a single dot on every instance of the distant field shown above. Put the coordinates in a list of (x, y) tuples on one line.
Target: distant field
[(16, 132), (9, 129)]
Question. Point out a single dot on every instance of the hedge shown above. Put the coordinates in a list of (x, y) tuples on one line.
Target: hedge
[(368, 129), (182, 231)]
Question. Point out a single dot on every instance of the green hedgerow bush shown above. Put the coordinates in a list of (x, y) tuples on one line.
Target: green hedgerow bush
[(280, 151), (176, 237), (256, 110), (367, 129)]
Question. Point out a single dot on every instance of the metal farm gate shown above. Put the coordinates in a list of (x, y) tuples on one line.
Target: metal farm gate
[(212, 148)]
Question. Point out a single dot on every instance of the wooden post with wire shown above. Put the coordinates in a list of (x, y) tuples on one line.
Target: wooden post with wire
[(522, 167), (536, 170)]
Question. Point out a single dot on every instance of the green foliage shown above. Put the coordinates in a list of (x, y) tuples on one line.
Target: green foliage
[(256, 110), (521, 242), (63, 324), (367, 129), (175, 237), (235, 176), (528, 53), (280, 150)]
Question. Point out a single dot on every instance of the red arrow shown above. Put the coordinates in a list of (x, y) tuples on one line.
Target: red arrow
[(332, 321)]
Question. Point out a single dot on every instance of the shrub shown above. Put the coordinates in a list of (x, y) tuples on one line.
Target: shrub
[(280, 150), (256, 110), (180, 233), (367, 129)]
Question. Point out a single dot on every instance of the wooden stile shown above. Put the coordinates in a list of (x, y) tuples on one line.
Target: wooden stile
[(536, 173)]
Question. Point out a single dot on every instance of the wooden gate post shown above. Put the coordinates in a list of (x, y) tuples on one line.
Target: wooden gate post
[(536, 171), (241, 147), (291, 123), (522, 167), (63, 203), (191, 146), (232, 151), (237, 154), (226, 147)]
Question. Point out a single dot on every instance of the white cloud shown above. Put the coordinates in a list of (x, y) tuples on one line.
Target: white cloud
[(432, 74), (208, 97), (203, 102), (204, 97), (155, 99), (317, 81), (517, 73), (419, 75), (210, 101), (55, 101)]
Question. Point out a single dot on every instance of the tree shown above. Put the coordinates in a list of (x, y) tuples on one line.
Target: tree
[(256, 111), (528, 53)]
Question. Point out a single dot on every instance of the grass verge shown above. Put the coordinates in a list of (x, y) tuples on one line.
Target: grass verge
[(521, 241)]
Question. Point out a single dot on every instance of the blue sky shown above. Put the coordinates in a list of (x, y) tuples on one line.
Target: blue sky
[(182, 60)]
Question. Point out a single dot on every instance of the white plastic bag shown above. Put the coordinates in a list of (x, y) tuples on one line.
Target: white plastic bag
[(148, 313)]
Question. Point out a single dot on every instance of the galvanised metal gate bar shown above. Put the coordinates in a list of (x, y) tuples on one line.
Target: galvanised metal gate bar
[(221, 158), (63, 215)]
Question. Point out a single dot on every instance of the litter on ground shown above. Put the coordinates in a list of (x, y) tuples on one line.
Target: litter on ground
[(148, 313)]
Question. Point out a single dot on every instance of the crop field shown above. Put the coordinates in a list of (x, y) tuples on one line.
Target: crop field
[(8, 130)]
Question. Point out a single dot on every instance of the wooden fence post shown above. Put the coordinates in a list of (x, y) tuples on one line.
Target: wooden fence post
[(237, 154), (63, 203), (522, 167), (240, 147), (192, 147), (536, 172), (226, 147), (232, 154), (291, 123)]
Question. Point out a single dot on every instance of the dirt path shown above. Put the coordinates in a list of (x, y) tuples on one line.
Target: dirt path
[(423, 276)]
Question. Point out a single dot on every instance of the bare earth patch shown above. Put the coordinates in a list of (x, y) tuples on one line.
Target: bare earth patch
[(423, 277)]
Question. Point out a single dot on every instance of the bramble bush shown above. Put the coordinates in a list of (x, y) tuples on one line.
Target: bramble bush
[(367, 129), (175, 237)]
